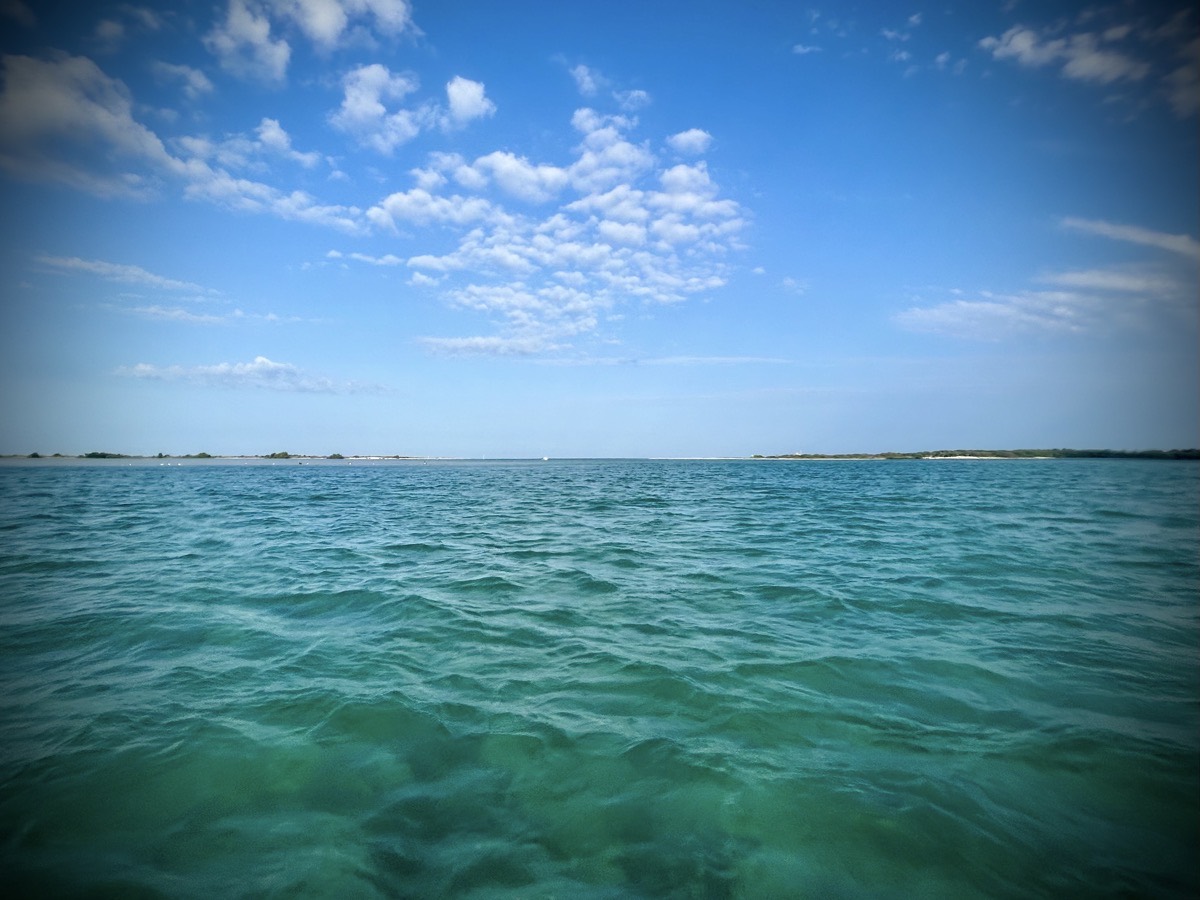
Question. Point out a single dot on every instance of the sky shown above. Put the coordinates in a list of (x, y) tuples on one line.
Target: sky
[(524, 229)]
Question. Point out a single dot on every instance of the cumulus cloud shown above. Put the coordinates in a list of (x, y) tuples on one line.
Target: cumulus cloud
[(242, 151), (608, 227), (324, 22), (243, 44), (371, 112), (261, 373), (694, 141), (272, 137), (418, 206), (364, 113), (518, 177), (467, 101), (247, 41)]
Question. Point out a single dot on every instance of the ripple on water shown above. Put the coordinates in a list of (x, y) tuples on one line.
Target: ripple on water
[(600, 679)]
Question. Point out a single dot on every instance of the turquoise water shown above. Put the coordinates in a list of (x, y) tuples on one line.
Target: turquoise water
[(600, 679)]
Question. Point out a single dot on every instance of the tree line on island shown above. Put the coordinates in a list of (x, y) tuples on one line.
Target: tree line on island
[(1057, 453)]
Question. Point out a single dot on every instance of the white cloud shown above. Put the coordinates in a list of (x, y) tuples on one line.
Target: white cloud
[(518, 177), (119, 272), (467, 101), (272, 136), (694, 141), (261, 373), (195, 83), (243, 44), (51, 107), (175, 314), (420, 207), (370, 110), (1112, 280), (219, 187), (803, 50), (1082, 56), (391, 16), (998, 316), (1138, 297), (485, 346), (50, 104), (388, 259), (623, 203), (626, 231), (1175, 243), (587, 81), (605, 158), (322, 21), (364, 115), (632, 101)]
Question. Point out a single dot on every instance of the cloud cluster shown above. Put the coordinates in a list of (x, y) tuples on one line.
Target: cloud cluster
[(371, 110), (1080, 300), (1167, 53), (261, 373), (62, 119), (545, 251), (252, 38)]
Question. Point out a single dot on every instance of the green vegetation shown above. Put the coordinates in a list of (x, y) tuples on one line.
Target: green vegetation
[(335, 456), (281, 454), (200, 455), (1059, 453), (97, 454)]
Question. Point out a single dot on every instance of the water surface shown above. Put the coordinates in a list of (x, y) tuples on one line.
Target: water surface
[(600, 679)]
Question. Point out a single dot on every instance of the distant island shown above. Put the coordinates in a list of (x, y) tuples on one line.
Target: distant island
[(1060, 453), (1057, 453), (279, 454)]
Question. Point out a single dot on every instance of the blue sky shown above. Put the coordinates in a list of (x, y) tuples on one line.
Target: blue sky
[(597, 229)]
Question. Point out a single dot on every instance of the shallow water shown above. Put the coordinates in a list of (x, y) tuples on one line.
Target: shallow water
[(600, 679)]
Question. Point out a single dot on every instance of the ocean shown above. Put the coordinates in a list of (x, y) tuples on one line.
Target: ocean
[(600, 679)]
